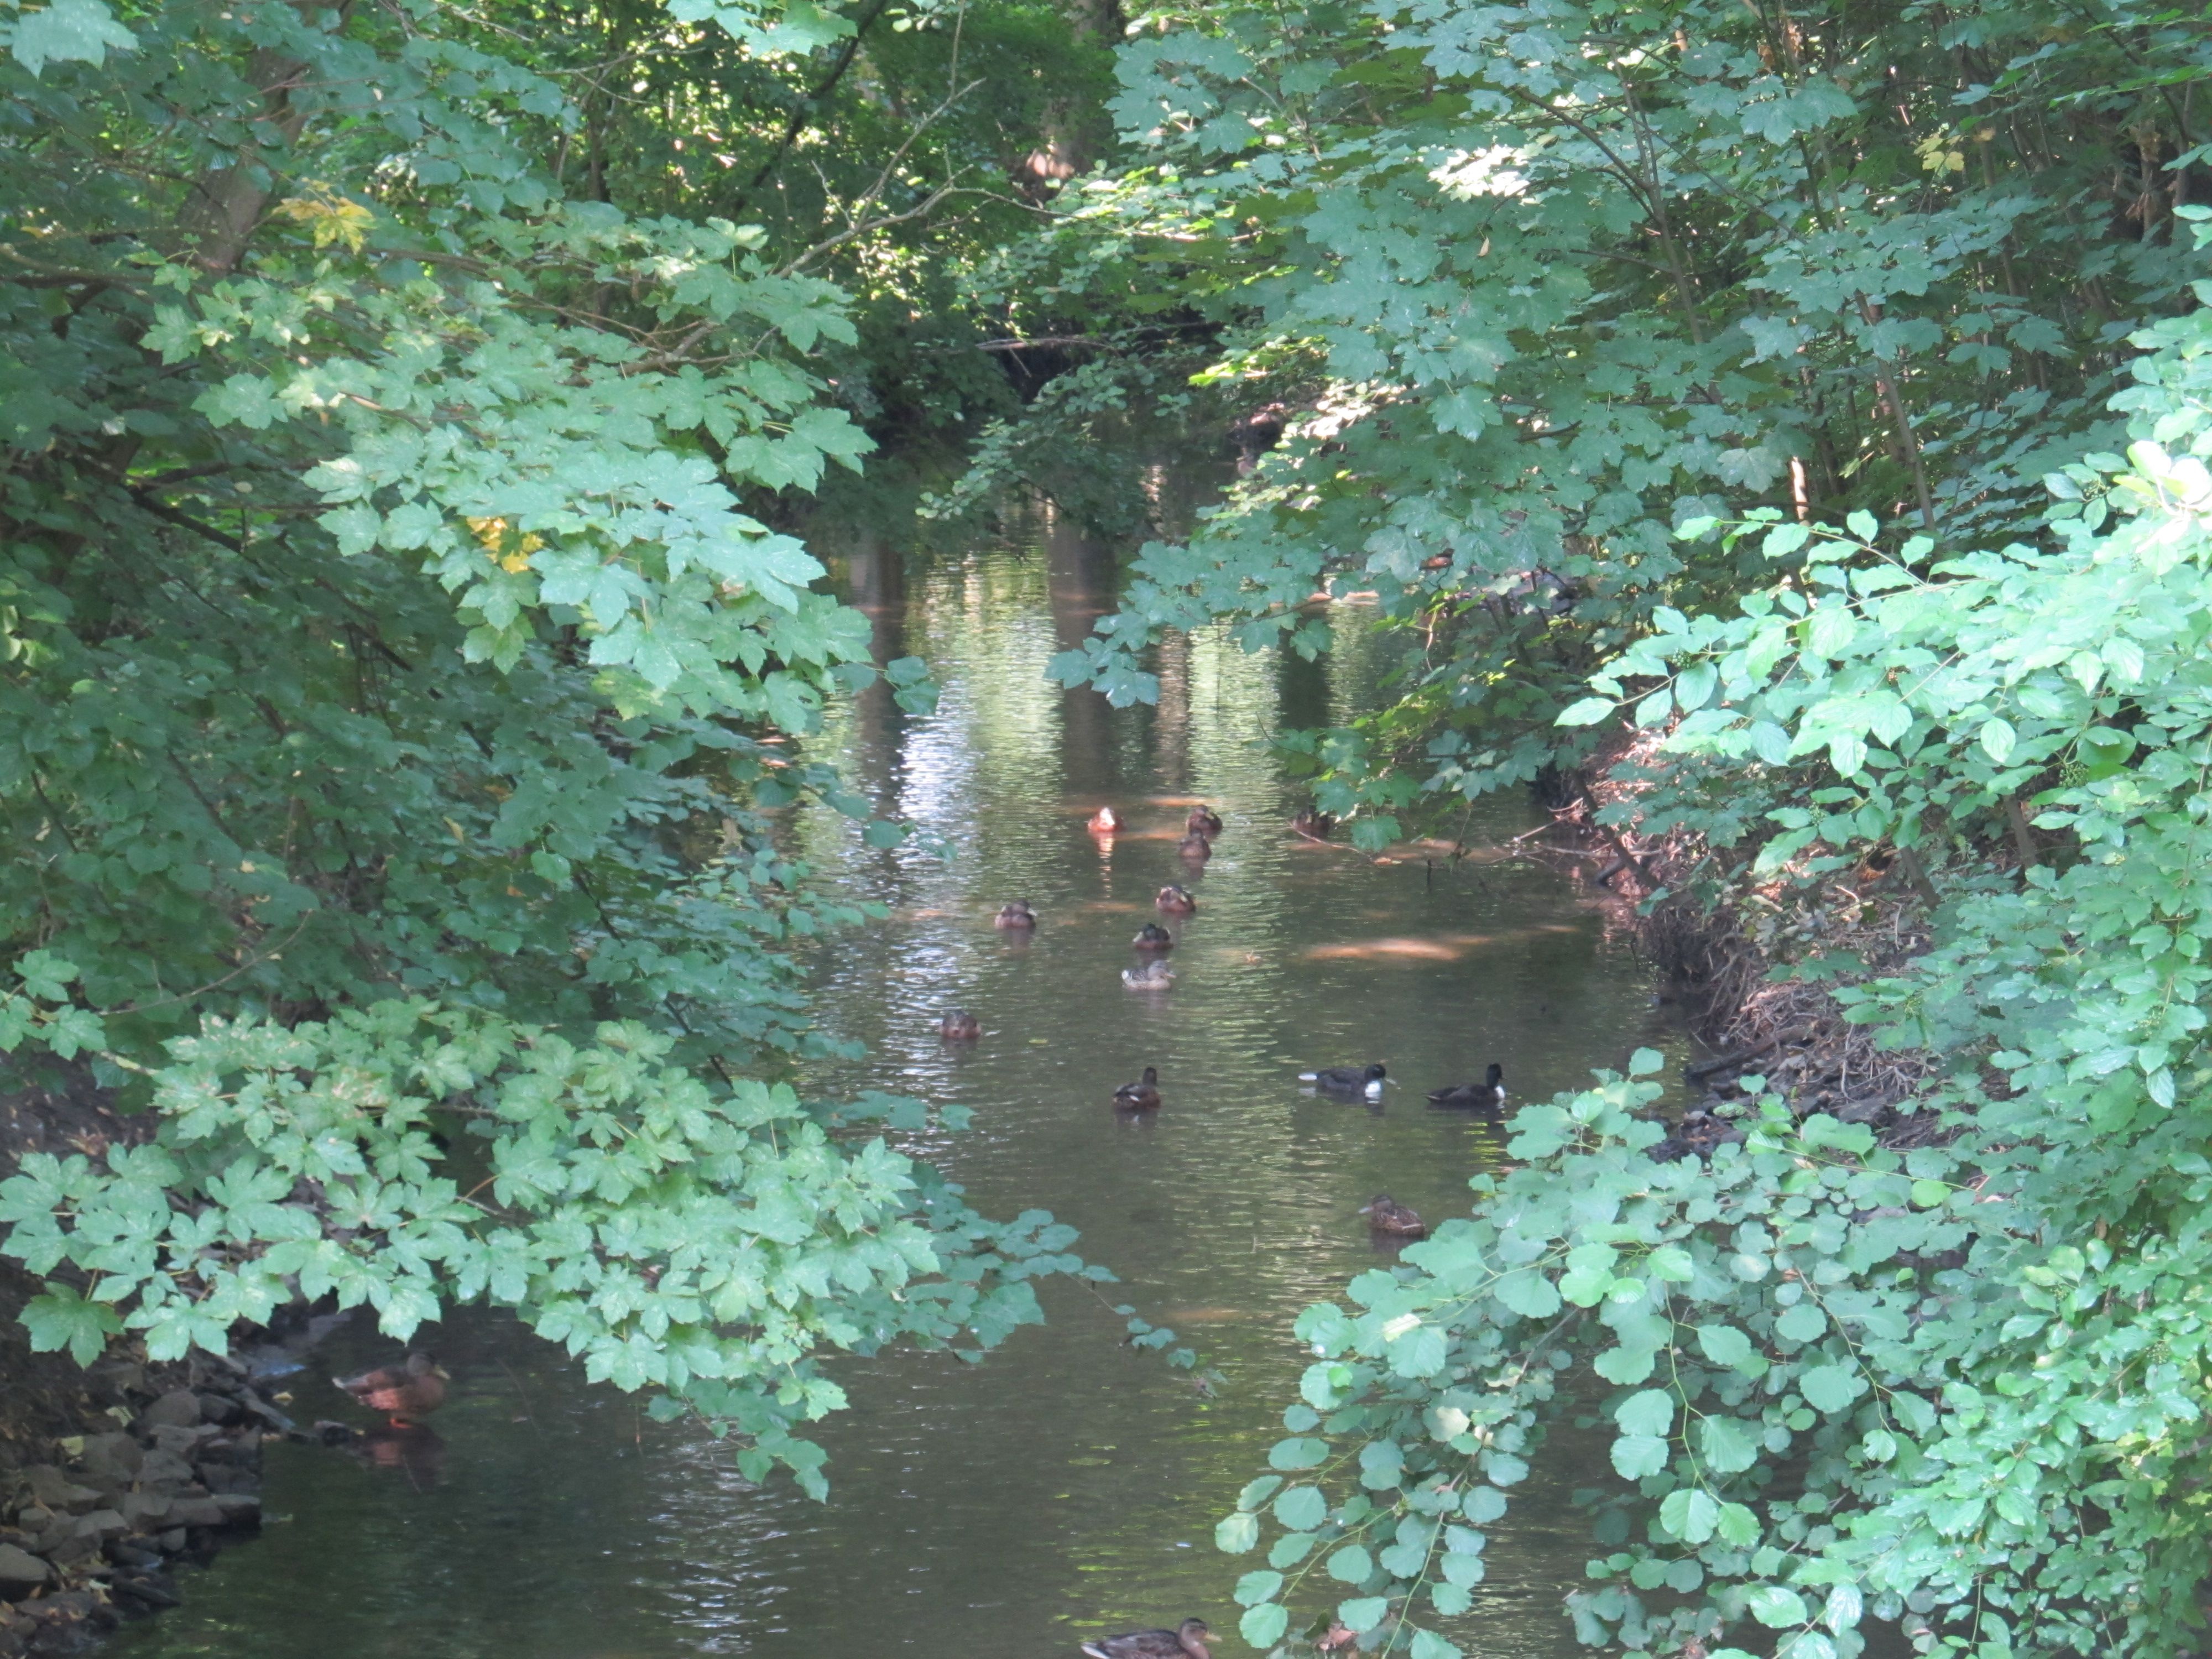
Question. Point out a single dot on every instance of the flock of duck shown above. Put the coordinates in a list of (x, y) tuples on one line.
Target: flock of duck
[(1383, 1214)]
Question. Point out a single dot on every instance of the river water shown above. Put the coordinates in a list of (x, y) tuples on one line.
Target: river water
[(1068, 1486)]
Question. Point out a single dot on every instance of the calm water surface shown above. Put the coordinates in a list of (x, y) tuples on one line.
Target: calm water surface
[(1067, 1485)]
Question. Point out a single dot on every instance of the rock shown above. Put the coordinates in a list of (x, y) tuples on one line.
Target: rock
[(196, 1512), (172, 1542), (34, 1517), (72, 1550), (20, 1570), (166, 1471), (56, 1490), (101, 1524), (112, 1455), (219, 1408), (148, 1511), (145, 1591), (189, 1444), (240, 1509), (180, 1406)]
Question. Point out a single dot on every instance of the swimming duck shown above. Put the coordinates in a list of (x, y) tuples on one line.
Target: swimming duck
[(959, 1025), (1386, 1215), (1141, 1096), (1154, 976), (1196, 849), (1153, 937), (414, 1390), (1203, 821), (1017, 914), (1313, 822), (1176, 902), (1186, 1643), (1104, 822), (1347, 1079), (1485, 1095)]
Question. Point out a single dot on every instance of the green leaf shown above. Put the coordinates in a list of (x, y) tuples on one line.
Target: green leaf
[(69, 30), (1235, 1534), (1352, 1565), (1726, 1449), (1263, 1626), (1649, 1412), (1363, 1613), (1637, 1455), (1776, 1606), (1831, 1389), (1691, 1514), (57, 1317)]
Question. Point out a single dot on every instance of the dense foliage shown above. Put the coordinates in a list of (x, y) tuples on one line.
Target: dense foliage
[(1696, 351), (396, 661), (398, 655)]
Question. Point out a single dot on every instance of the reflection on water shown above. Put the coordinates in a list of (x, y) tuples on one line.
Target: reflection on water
[(1066, 1485)]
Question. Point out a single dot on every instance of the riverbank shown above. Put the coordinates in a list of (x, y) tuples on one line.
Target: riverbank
[(1759, 962), (110, 1475)]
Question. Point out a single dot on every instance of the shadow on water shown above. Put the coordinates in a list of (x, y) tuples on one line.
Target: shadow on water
[(1066, 1485)]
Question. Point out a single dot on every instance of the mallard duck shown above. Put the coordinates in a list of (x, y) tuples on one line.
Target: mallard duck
[(1485, 1095), (1314, 823), (1203, 821), (1347, 1079), (1176, 902), (1196, 849), (959, 1025), (1386, 1215), (1017, 914), (1153, 937), (414, 1390), (1142, 1096), (1104, 822), (1187, 1642), (1154, 976)]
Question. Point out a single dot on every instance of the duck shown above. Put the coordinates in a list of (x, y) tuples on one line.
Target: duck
[(1313, 822), (1154, 976), (1153, 937), (1196, 849), (1104, 822), (1142, 1096), (1386, 1215), (1348, 1079), (413, 1389), (1203, 821), (1188, 1641), (959, 1025), (1177, 901), (1486, 1096), (1017, 914)]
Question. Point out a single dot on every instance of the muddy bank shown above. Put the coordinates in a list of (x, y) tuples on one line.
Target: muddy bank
[(1757, 965)]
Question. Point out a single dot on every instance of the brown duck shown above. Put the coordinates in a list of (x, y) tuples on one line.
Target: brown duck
[(1196, 849), (1188, 1642), (1153, 937), (1313, 824), (1175, 901), (1142, 1096), (1017, 914), (1387, 1215), (959, 1025), (400, 1392), (1203, 821)]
